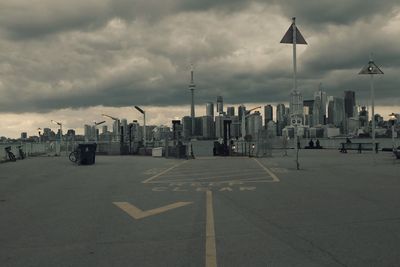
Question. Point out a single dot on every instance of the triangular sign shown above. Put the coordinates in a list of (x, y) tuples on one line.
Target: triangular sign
[(288, 37), (371, 68)]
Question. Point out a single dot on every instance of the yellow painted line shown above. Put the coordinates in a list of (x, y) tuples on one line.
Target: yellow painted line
[(137, 213), (164, 172), (211, 251), (274, 177)]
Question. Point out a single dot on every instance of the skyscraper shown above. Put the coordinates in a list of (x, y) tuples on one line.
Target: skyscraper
[(331, 110), (280, 118), (308, 106), (349, 103), (241, 111), (338, 113), (319, 109), (208, 131), (191, 88), (254, 124), (220, 105), (230, 111), (268, 114), (210, 109), (187, 127)]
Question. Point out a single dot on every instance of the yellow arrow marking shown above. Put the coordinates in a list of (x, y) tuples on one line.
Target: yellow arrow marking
[(137, 213)]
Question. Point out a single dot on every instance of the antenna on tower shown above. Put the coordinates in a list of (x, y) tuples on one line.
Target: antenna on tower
[(191, 74)]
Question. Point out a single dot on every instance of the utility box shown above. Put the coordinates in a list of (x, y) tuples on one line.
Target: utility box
[(157, 152), (87, 154)]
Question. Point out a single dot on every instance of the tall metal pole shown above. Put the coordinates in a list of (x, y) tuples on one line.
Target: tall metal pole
[(393, 144), (191, 87), (294, 55), (144, 128), (60, 137), (295, 89), (373, 111)]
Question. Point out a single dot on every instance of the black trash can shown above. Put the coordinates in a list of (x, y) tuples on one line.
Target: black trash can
[(87, 154)]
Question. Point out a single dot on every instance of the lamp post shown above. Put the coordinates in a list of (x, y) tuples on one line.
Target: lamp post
[(246, 114), (39, 130), (372, 69), (118, 123), (144, 123), (95, 129), (392, 119), (59, 124)]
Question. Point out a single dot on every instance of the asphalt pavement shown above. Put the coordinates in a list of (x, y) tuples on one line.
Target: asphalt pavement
[(337, 210)]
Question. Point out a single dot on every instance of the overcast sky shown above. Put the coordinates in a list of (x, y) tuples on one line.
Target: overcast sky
[(70, 60)]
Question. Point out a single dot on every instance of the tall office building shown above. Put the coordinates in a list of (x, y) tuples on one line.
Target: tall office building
[(208, 127), (116, 130), (235, 127), (254, 124), (241, 111), (88, 132), (198, 130), (210, 109), (124, 124), (308, 107), (104, 129), (220, 105), (349, 103), (230, 111), (319, 109), (219, 126), (187, 127), (280, 118), (268, 114), (331, 110), (339, 113)]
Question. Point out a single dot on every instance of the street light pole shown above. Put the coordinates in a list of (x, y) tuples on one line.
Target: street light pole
[(95, 129), (244, 116), (392, 119), (372, 69), (118, 123), (59, 124)]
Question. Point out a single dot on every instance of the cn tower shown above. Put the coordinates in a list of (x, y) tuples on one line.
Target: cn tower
[(191, 88)]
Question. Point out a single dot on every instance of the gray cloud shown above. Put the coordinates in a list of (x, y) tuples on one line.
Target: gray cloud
[(117, 53)]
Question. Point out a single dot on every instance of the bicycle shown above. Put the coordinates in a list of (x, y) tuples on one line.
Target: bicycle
[(11, 156), (74, 156), (22, 154)]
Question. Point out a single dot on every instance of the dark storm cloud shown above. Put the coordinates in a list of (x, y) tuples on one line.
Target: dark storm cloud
[(61, 54), (339, 12)]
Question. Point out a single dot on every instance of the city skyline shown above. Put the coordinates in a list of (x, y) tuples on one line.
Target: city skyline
[(72, 61)]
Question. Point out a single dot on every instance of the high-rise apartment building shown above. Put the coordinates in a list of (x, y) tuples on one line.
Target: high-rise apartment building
[(349, 103), (230, 111), (210, 109), (268, 114), (319, 109), (280, 118), (220, 105)]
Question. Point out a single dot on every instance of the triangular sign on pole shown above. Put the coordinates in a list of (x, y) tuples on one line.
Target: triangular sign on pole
[(288, 37), (371, 68)]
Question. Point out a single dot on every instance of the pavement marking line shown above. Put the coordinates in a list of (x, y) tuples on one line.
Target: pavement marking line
[(211, 251), (163, 172), (137, 213), (274, 177)]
